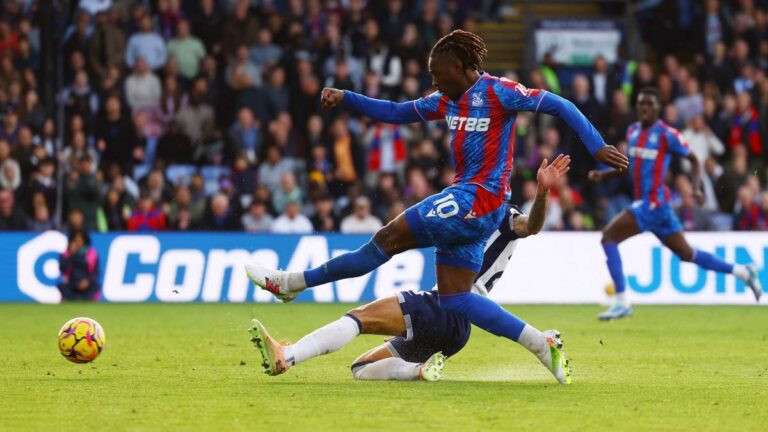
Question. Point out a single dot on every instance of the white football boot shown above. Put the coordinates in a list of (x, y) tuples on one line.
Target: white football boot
[(271, 280)]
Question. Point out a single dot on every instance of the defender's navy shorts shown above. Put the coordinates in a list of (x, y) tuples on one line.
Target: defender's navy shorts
[(429, 328)]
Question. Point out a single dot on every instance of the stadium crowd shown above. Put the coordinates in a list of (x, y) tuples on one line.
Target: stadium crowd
[(205, 114)]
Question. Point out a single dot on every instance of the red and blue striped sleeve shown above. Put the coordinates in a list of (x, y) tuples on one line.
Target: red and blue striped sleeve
[(429, 107), (677, 144), (381, 110)]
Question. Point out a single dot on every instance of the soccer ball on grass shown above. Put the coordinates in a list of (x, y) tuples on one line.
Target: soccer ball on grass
[(81, 340)]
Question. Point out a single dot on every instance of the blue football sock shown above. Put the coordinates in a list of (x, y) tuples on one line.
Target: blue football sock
[(352, 264), (615, 268), (711, 262), (484, 313)]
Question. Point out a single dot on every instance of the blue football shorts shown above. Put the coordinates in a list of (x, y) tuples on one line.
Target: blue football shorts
[(458, 221), (660, 219)]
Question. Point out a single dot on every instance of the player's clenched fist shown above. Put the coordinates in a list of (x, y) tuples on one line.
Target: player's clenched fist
[(331, 97)]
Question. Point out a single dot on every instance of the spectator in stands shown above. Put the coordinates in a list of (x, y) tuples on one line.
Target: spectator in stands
[(272, 169), (292, 221), (346, 156), (116, 136), (691, 215), (265, 53), (82, 191), (595, 112), (79, 266), (245, 134), (113, 213), (220, 216), (745, 126), (361, 221), (324, 219), (81, 99), (32, 112), (11, 126), (702, 141), (106, 46), (146, 216), (41, 219), (77, 149), (239, 29), (288, 191), (257, 219), (735, 174), (197, 118), (146, 44), (756, 219), (44, 181), (10, 176), (156, 187), (620, 117), (11, 218), (747, 213), (691, 103), (602, 82), (142, 88), (276, 91), (382, 60), (187, 50), (386, 144), (243, 176), (207, 26)]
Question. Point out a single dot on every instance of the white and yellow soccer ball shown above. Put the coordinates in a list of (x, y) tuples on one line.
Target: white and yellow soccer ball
[(81, 340)]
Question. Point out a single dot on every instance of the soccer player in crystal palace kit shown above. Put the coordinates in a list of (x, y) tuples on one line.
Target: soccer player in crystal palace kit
[(480, 110), (424, 334), (651, 144)]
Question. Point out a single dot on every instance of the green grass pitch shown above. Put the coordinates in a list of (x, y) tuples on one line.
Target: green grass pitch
[(192, 367)]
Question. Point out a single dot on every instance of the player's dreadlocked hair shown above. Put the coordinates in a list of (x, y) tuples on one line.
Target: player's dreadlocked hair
[(468, 48)]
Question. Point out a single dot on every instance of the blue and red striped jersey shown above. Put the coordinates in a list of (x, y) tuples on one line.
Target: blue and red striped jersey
[(650, 152), (482, 126)]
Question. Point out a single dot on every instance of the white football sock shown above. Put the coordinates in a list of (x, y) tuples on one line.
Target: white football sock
[(391, 368), (324, 340), (535, 342), (741, 272), (621, 298), (295, 281)]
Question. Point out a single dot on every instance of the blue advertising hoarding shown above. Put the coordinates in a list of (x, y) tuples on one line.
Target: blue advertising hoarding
[(184, 267)]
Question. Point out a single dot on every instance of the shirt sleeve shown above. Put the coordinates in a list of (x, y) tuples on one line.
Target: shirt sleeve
[(429, 107), (677, 143), (517, 97), (381, 110)]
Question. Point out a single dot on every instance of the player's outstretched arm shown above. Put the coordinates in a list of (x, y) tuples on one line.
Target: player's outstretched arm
[(546, 178), (557, 106), (377, 109)]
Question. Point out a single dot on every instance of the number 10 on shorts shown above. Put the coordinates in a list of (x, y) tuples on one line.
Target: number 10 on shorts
[(446, 206)]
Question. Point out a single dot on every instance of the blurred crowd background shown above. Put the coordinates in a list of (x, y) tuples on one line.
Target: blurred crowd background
[(205, 114)]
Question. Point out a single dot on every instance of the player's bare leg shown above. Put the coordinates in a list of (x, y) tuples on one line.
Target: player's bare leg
[(678, 244), (455, 284), (381, 317), (622, 227), (380, 364), (392, 239)]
